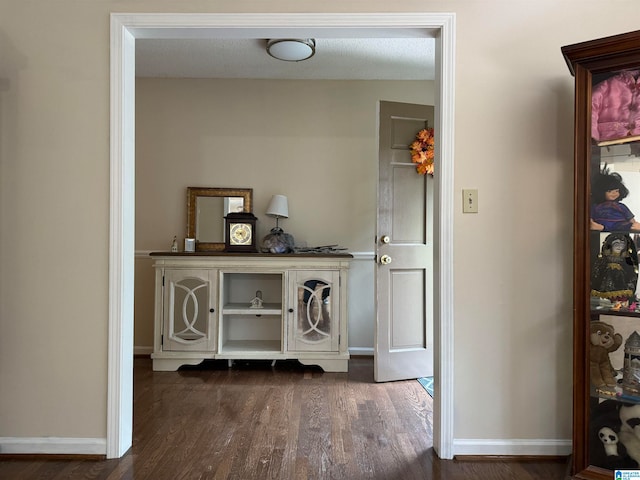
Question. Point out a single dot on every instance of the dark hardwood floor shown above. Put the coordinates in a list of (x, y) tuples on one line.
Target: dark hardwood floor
[(253, 421)]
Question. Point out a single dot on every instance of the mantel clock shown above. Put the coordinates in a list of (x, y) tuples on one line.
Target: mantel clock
[(240, 232)]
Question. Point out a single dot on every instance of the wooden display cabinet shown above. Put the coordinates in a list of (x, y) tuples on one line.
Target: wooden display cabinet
[(606, 310)]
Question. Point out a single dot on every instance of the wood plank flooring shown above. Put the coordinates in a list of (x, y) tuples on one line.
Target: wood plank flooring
[(254, 422)]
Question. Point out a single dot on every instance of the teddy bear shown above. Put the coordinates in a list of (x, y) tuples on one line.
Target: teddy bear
[(606, 448), (629, 434), (604, 340), (609, 439)]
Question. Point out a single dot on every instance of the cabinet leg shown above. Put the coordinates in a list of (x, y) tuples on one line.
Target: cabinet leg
[(230, 363)]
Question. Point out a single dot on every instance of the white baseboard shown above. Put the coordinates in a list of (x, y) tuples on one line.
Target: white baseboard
[(142, 350), (363, 255), (53, 446), (363, 351), (356, 255), (516, 447)]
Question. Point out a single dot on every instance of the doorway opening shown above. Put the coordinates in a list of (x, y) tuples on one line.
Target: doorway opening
[(125, 28)]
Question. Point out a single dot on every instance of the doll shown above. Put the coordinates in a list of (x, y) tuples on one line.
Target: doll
[(615, 272), (608, 213)]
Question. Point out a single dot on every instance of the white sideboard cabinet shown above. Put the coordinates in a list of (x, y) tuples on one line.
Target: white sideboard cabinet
[(217, 305)]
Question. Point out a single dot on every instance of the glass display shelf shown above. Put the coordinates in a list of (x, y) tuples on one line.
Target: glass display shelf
[(614, 393)]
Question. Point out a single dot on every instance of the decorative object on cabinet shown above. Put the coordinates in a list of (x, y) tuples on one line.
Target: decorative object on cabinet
[(629, 434), (608, 213), (190, 245), (322, 249), (240, 232), (631, 371), (606, 164), (202, 312), (606, 448), (614, 274), (206, 209), (174, 244), (278, 208), (604, 340), (615, 108), (609, 439), (277, 241), (257, 300)]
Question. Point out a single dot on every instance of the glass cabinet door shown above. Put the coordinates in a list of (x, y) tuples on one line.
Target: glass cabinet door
[(606, 241), (189, 318), (614, 323), (314, 325)]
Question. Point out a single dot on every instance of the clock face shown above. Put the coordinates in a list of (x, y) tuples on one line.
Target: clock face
[(240, 234)]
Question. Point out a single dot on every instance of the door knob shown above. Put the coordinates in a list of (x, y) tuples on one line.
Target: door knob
[(385, 239), (385, 259)]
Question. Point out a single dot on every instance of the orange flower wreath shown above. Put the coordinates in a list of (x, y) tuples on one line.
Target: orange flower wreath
[(422, 151)]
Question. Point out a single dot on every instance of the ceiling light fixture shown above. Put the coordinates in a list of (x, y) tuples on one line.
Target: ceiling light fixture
[(291, 49)]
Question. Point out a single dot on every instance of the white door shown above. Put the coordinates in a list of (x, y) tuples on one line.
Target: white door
[(404, 249)]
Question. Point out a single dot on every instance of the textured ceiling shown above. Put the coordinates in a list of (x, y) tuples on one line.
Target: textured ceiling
[(335, 59)]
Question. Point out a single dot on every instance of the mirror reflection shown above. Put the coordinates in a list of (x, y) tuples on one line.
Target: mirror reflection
[(314, 311), (206, 209)]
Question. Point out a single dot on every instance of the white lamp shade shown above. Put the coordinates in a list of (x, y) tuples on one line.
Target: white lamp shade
[(291, 50), (278, 207)]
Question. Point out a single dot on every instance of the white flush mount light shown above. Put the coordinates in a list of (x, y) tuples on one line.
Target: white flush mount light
[(292, 49)]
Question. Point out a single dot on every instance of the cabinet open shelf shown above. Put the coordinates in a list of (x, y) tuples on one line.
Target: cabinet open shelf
[(250, 346), (251, 333), (617, 395), (616, 313), (619, 141), (245, 330)]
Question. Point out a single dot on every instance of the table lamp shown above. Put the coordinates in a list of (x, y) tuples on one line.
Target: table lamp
[(277, 241)]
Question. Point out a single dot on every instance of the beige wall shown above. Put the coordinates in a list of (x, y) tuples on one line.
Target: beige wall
[(512, 272), (314, 141)]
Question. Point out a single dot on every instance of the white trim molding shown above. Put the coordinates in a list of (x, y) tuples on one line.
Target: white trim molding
[(363, 255), (443, 407), (125, 29), (121, 241), (512, 447), (138, 350), (362, 351), (356, 255), (53, 446)]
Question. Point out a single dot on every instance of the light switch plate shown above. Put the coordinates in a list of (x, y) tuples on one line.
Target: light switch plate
[(469, 200)]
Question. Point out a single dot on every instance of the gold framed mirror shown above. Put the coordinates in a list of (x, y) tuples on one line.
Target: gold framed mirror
[(206, 209)]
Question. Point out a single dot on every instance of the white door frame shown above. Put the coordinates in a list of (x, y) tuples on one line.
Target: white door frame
[(125, 28)]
